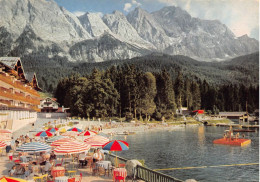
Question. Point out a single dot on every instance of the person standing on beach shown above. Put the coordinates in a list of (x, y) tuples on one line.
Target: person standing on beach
[(8, 147), (13, 144)]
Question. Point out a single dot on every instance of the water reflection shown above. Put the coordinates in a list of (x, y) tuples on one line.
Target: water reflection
[(192, 146), (201, 136)]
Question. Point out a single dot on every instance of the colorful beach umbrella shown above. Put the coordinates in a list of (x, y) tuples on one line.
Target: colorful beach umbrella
[(52, 130), (116, 145), (61, 142), (5, 131), (34, 147), (74, 147), (44, 134), (52, 139), (2, 144), (75, 129), (10, 179), (62, 130), (88, 133), (5, 137), (96, 141)]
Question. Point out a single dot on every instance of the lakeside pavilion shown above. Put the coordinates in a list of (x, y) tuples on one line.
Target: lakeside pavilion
[(19, 97)]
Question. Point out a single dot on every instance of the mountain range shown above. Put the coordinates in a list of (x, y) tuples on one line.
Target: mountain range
[(40, 30)]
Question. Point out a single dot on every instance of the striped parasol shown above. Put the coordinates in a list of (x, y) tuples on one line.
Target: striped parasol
[(2, 144), (74, 147), (75, 129), (88, 133), (34, 147), (52, 139), (61, 142), (5, 137), (5, 131), (96, 141), (44, 134), (70, 133), (52, 130)]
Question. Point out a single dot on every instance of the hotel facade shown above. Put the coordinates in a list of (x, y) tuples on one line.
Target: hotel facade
[(19, 97)]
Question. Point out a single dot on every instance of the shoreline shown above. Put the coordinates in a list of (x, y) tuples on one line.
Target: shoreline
[(109, 129)]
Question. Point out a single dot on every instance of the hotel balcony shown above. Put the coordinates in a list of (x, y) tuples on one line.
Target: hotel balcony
[(8, 94), (19, 85)]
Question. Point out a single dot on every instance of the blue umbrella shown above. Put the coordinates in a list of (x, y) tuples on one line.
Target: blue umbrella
[(44, 134), (55, 138), (75, 129), (34, 147), (52, 130)]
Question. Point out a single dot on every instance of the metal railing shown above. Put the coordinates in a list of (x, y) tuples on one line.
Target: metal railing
[(112, 158), (149, 175), (143, 173)]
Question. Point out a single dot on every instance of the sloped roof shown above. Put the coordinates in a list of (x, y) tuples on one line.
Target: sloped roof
[(9, 61), (29, 76), (52, 99)]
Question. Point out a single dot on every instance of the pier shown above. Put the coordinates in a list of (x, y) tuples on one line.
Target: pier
[(236, 126)]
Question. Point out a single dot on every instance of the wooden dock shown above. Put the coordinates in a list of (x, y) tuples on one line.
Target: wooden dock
[(236, 126)]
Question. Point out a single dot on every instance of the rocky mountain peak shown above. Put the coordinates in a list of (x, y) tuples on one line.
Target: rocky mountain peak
[(42, 27), (94, 24)]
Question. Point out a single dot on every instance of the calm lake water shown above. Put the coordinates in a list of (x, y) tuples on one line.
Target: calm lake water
[(192, 146)]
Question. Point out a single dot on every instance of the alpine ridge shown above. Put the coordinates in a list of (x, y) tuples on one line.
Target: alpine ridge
[(30, 28)]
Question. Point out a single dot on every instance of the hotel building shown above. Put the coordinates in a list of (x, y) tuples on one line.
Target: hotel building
[(19, 97)]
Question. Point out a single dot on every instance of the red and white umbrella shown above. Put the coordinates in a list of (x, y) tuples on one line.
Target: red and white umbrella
[(2, 144), (70, 133), (5, 131), (88, 133), (5, 134), (74, 147), (61, 142), (96, 141)]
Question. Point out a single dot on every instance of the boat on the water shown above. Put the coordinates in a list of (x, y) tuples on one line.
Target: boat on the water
[(230, 139)]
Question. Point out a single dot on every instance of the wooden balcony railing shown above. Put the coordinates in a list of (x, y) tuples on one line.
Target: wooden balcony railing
[(9, 104), (19, 85), (12, 96)]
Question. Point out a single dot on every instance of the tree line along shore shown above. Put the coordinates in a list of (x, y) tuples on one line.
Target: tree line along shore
[(126, 91)]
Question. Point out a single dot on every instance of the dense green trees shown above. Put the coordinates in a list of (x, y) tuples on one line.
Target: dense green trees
[(125, 90)]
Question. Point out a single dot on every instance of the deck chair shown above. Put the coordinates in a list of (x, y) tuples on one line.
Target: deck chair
[(121, 165), (59, 164), (71, 174), (42, 178)]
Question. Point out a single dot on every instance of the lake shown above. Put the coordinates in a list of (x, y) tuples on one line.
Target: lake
[(192, 146)]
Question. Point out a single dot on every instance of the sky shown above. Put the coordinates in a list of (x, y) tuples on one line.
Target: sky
[(241, 16)]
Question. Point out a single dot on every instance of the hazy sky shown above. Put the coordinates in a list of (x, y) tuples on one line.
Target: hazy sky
[(241, 16)]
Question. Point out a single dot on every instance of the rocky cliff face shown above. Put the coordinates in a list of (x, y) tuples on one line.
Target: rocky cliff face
[(41, 27)]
